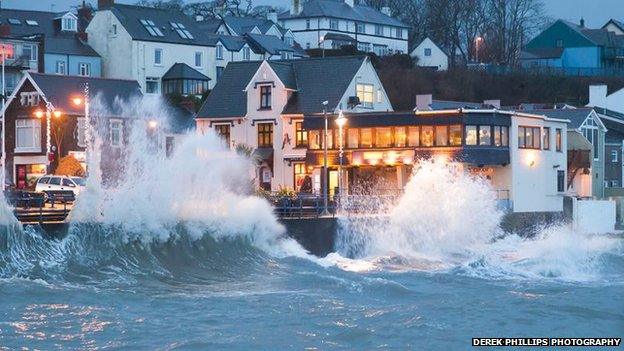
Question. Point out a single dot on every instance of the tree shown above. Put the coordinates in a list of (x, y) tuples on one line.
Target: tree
[(69, 166)]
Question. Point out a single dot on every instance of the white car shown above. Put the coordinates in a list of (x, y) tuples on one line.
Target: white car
[(57, 182)]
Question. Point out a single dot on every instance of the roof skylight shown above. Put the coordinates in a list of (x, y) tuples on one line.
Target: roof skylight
[(14, 21), (32, 23), (181, 30), (151, 28)]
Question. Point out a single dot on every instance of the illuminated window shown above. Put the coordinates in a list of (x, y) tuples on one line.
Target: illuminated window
[(353, 138), (400, 137), (426, 136), (301, 136), (223, 130), (383, 137), (330, 139), (504, 136), (546, 138), (558, 139), (485, 135), (366, 137), (365, 93), (529, 137), (471, 135), (314, 139), (455, 135), (300, 173), (441, 136), (413, 136), (265, 134)]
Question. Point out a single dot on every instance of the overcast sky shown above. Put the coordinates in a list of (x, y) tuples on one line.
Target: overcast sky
[(595, 12)]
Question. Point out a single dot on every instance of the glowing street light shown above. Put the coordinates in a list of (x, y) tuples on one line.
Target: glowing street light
[(478, 41), (84, 101), (49, 112), (152, 124), (341, 121)]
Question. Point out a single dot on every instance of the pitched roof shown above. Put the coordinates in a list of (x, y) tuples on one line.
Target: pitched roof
[(619, 24), (576, 116), (60, 89), (42, 23), (313, 80), (232, 42), (210, 25), (339, 9), (244, 25), (449, 105), (270, 44), (600, 37), (130, 17), (183, 71), (541, 53), (180, 119)]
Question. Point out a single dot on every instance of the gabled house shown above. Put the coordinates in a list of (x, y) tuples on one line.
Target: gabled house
[(26, 130), (143, 43), (614, 26), (262, 105), (328, 24), (428, 54), (574, 48)]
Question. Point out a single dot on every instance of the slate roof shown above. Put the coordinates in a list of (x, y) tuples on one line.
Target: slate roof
[(576, 115), (232, 42), (339, 9), (183, 71), (600, 37), (181, 120), (210, 25), (271, 44), (541, 53), (130, 17), (56, 41), (313, 79), (60, 90), (244, 25)]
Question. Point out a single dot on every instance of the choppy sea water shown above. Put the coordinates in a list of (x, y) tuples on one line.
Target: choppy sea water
[(96, 289)]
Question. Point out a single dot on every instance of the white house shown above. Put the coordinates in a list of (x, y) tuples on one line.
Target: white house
[(262, 105), (428, 54), (331, 24), (614, 26)]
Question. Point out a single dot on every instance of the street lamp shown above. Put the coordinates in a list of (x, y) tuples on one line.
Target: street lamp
[(325, 181), (478, 41), (152, 124), (84, 101), (49, 112), (340, 121)]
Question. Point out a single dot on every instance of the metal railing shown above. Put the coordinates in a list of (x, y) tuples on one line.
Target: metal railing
[(39, 208)]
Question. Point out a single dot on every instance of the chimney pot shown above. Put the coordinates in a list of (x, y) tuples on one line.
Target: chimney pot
[(272, 16), (582, 22)]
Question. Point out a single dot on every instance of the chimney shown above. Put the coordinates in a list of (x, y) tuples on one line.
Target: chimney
[(272, 16), (494, 103), (105, 4), (582, 22), (350, 2), (5, 30), (296, 7), (423, 102), (598, 96), (386, 11)]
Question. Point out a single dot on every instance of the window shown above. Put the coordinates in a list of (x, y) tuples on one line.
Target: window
[(299, 170), (559, 43), (427, 52), (181, 30), (115, 127), (366, 137), (400, 137), (383, 137), (60, 67), (80, 132), (330, 139), (399, 33), (455, 135), (333, 24), (158, 54), (14, 21), (27, 135), (68, 24), (8, 49), (301, 136), (413, 136), (151, 85), (265, 97), (55, 181), (614, 156), (365, 93), (471, 135), (223, 130), (378, 29), (219, 72), (546, 138), (169, 145), (286, 55), (114, 29), (504, 136), (426, 136), (500, 136), (307, 24), (29, 98), (529, 137), (198, 59), (308, 45), (246, 54), (219, 51), (485, 136), (29, 51), (591, 133), (560, 181), (360, 27), (67, 182), (265, 134), (32, 23), (84, 69), (314, 139), (380, 96), (353, 138), (558, 140), (151, 28), (43, 180), (289, 41), (615, 183), (441, 136)]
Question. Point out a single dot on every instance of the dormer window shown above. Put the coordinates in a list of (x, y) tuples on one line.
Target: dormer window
[(69, 24)]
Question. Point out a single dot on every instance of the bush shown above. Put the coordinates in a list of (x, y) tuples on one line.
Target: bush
[(69, 166)]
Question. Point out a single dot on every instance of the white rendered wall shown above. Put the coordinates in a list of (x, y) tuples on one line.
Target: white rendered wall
[(437, 59)]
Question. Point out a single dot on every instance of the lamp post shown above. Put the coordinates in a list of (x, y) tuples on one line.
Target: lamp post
[(3, 118), (325, 189), (478, 40), (48, 114), (84, 100), (340, 121)]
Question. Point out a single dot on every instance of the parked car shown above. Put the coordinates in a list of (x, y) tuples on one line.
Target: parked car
[(57, 182)]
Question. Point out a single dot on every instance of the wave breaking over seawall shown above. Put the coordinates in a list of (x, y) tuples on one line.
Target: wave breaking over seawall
[(448, 220)]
